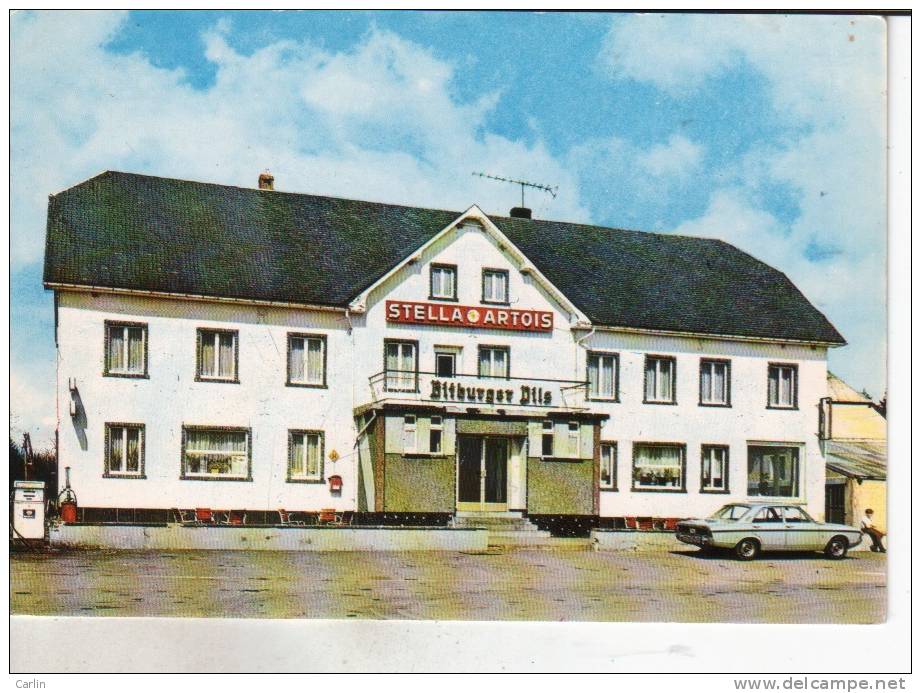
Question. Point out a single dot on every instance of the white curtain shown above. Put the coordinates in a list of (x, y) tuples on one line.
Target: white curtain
[(116, 449), (133, 457), (207, 353), (651, 379), (296, 360), (315, 360), (136, 350), (719, 382), (706, 383), (226, 365), (216, 452), (401, 366), (116, 348)]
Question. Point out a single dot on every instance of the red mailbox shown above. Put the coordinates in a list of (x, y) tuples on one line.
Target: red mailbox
[(335, 484)]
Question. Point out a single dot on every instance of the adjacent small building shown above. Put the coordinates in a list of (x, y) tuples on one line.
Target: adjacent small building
[(251, 349), (854, 443)]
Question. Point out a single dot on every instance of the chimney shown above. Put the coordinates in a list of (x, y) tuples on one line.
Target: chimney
[(520, 213), (266, 181)]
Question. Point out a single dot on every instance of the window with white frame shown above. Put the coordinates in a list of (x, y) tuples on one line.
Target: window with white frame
[(443, 279), (307, 360), (495, 286), (215, 453), (124, 450), (436, 428), (658, 466), (409, 433), (602, 375), (773, 470), (714, 382), (608, 479), (305, 456), (782, 386), (660, 379), (714, 468), (573, 429), (401, 365), (493, 362), (126, 349), (217, 355), (546, 439)]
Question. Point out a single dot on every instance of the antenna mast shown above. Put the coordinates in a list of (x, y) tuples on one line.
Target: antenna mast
[(523, 183)]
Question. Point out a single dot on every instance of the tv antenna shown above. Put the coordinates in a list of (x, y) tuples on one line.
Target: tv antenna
[(523, 183)]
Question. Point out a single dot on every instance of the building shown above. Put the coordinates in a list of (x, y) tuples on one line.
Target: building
[(247, 348), (854, 442)]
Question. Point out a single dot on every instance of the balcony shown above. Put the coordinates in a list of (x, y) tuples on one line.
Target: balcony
[(467, 391)]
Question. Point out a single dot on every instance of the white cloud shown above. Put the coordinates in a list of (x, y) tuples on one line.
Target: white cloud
[(378, 121), (679, 157), (825, 78)]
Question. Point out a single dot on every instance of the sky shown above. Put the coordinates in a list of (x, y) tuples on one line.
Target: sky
[(764, 131)]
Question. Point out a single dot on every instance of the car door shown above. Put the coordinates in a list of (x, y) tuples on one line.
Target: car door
[(768, 526), (803, 533)]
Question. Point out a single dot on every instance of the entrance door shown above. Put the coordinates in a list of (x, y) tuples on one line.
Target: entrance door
[(482, 478)]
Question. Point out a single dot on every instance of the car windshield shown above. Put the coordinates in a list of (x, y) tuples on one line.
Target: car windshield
[(731, 512)]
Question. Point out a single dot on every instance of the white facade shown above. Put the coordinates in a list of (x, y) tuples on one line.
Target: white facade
[(171, 396)]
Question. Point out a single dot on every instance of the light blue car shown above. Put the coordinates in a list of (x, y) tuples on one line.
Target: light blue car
[(750, 528)]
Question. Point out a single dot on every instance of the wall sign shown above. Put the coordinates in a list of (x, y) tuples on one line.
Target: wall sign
[(486, 317)]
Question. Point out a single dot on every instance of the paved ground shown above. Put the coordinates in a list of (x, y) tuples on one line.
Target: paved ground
[(565, 585)]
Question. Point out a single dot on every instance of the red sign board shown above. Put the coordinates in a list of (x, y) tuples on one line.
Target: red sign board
[(485, 317)]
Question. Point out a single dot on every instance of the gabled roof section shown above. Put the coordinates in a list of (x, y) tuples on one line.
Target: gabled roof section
[(474, 215), (134, 232), (840, 391)]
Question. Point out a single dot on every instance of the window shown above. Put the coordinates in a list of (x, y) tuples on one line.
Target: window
[(217, 355), (306, 360), (495, 286), (305, 456), (445, 364), (714, 469), (660, 380), (124, 453), (401, 364), (493, 362), (126, 349), (658, 466), (435, 430), (546, 439), (602, 376), (781, 387), (409, 433), (714, 383), (443, 282), (609, 466), (793, 514), (216, 453), (773, 470), (769, 515), (572, 438)]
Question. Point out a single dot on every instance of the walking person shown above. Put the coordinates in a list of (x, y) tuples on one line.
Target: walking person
[(868, 528)]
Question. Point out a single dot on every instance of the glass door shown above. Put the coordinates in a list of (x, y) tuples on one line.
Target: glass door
[(482, 474)]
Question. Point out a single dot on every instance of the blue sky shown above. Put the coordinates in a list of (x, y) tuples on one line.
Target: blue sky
[(765, 131)]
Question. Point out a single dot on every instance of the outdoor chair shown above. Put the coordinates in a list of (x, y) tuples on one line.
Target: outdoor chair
[(329, 516), (644, 524), (630, 522), (670, 524), (236, 517), (184, 517), (204, 516), (285, 519)]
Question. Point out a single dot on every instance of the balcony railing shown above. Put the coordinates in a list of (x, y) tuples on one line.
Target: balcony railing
[(473, 390)]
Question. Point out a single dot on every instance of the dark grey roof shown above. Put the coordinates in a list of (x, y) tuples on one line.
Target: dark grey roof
[(122, 230), (858, 459)]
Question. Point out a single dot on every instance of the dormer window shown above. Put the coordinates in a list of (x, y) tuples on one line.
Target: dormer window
[(443, 282), (495, 286)]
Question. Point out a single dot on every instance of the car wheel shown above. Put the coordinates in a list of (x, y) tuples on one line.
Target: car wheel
[(836, 549), (747, 550)]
